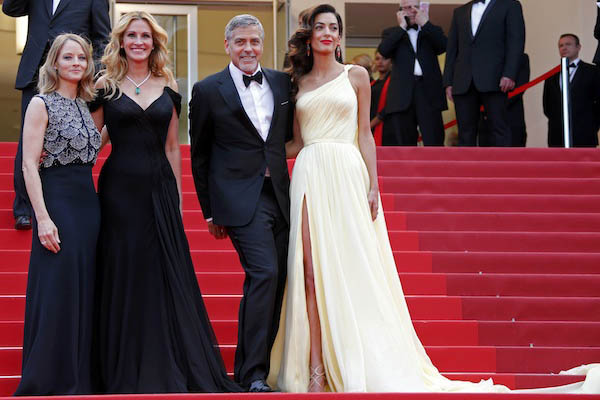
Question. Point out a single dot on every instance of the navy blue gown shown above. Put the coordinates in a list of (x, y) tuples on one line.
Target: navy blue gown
[(57, 340)]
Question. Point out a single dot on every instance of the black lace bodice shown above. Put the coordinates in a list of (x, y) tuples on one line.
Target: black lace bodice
[(71, 136)]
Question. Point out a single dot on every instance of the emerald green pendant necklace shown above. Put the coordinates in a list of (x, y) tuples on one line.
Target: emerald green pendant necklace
[(137, 86)]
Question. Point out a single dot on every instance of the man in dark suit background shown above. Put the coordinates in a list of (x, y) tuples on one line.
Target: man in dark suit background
[(515, 109), (585, 98), (240, 120), (416, 94), (48, 19), (485, 45), (597, 35)]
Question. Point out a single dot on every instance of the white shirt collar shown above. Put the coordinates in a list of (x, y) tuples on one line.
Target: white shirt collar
[(576, 62), (236, 75)]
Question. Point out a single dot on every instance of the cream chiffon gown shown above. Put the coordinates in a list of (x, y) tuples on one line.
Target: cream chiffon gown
[(369, 343)]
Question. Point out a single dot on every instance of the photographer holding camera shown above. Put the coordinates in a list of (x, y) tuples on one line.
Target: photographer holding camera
[(416, 94)]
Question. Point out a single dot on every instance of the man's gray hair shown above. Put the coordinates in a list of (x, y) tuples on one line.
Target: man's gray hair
[(242, 21)]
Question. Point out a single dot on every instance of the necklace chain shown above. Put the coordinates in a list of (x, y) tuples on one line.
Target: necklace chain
[(137, 86)]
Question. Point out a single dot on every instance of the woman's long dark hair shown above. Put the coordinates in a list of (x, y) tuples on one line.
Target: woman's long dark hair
[(301, 63)]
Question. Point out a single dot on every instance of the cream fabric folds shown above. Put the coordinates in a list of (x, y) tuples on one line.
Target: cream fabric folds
[(369, 343)]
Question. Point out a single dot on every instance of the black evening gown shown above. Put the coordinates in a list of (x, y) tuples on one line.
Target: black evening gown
[(59, 308), (154, 334)]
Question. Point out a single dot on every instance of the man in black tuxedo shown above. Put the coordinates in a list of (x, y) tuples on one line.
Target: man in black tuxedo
[(240, 119), (48, 19), (597, 35), (585, 98), (416, 94), (485, 45)]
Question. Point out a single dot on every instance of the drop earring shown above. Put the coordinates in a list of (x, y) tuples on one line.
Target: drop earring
[(308, 49), (338, 52)]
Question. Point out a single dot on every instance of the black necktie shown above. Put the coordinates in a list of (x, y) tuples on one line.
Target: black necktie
[(572, 65), (415, 27), (479, 1), (256, 77)]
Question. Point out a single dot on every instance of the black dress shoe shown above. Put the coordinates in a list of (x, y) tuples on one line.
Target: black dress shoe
[(23, 223), (259, 386)]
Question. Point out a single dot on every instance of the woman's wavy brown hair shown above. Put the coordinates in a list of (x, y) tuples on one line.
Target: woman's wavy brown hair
[(116, 62), (49, 79), (301, 63)]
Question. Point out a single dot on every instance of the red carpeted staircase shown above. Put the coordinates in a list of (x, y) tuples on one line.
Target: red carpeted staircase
[(498, 251)]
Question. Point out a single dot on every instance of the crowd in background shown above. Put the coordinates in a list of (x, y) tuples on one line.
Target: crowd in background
[(485, 61)]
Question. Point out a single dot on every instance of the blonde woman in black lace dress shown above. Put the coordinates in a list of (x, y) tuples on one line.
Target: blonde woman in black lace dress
[(59, 130)]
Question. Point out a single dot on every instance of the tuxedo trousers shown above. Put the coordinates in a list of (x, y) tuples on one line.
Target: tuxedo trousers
[(420, 115), (262, 248), (21, 204), (468, 108)]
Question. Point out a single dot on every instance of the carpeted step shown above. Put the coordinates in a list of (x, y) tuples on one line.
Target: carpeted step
[(514, 381), (445, 168), (431, 153), (492, 169), (499, 203), (468, 185), (455, 333), (577, 242), (446, 359), (498, 262), (441, 221), (406, 261), (493, 221), (225, 307), (461, 284), (484, 154), (442, 203), (443, 185)]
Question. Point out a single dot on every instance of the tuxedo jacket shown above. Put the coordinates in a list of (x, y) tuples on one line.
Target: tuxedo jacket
[(396, 45), (88, 18), (597, 36), (492, 53), (585, 100), (229, 157)]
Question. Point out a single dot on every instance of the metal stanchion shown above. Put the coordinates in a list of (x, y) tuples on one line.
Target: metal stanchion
[(566, 101)]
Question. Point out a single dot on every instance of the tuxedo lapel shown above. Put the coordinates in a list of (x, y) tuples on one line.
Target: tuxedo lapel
[(276, 98), (61, 6), (468, 25), (232, 98), (484, 16), (48, 4)]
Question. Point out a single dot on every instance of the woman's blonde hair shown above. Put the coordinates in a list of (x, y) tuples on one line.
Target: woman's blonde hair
[(49, 79), (114, 58)]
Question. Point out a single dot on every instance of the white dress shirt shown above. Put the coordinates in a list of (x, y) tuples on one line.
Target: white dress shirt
[(257, 100), (477, 11), (55, 5), (413, 35)]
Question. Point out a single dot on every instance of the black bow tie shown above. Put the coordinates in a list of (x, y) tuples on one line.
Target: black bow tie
[(479, 1), (415, 27), (256, 77), (572, 65)]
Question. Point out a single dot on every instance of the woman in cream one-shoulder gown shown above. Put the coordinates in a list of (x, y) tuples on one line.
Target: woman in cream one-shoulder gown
[(345, 325)]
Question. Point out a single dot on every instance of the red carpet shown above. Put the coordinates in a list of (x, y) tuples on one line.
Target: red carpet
[(498, 251)]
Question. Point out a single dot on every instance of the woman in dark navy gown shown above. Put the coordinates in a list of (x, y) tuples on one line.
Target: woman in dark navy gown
[(154, 334), (60, 288)]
